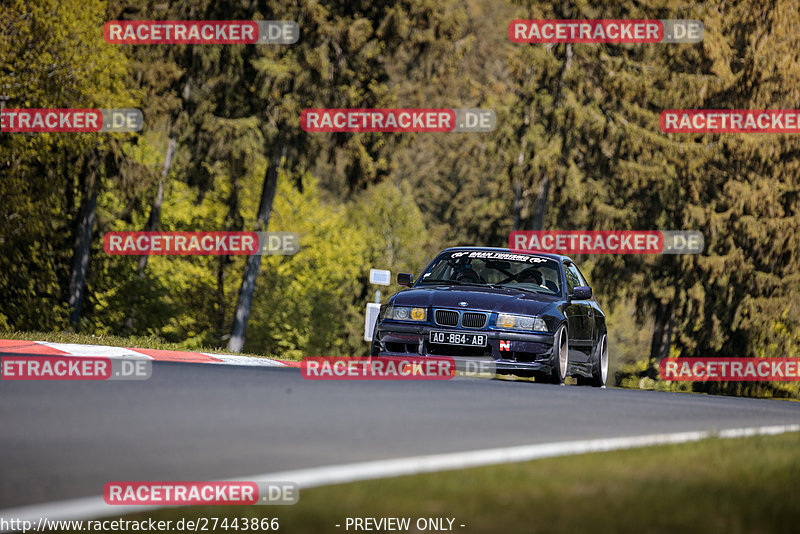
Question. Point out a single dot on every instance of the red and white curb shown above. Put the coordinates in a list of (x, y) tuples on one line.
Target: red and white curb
[(45, 348)]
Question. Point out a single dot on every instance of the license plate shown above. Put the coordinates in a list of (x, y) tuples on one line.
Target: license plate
[(458, 338)]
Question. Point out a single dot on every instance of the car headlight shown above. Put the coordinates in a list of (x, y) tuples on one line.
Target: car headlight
[(521, 322), (405, 313)]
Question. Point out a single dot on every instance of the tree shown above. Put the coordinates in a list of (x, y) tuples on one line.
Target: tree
[(340, 61), (52, 57)]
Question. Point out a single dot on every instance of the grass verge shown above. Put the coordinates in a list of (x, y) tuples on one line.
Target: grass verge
[(140, 342), (730, 486)]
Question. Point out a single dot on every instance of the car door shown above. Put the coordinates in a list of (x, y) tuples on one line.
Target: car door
[(579, 317)]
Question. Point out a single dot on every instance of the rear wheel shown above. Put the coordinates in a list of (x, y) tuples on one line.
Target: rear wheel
[(600, 364)]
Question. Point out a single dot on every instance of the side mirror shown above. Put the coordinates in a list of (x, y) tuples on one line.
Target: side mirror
[(581, 293), (405, 279)]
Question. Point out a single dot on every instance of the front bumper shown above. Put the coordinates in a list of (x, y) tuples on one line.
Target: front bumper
[(511, 351)]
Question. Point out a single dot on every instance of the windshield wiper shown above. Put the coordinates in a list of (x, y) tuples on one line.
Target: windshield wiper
[(461, 283), (529, 290), (457, 283), (443, 281)]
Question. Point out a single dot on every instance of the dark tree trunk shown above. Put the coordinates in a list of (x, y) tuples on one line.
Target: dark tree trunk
[(82, 245), (222, 274), (253, 263), (154, 219), (540, 205), (234, 221), (543, 195), (664, 317)]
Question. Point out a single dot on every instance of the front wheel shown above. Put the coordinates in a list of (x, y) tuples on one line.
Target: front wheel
[(559, 361), (600, 364)]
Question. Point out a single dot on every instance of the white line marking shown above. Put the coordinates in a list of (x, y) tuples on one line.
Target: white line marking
[(77, 349), (92, 507), (233, 359), (340, 474)]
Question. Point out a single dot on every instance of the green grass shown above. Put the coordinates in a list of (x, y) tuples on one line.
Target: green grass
[(140, 342), (726, 486)]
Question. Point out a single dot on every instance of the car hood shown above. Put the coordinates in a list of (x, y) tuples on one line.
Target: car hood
[(477, 298)]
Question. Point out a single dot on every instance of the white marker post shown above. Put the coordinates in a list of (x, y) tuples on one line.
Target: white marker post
[(378, 277)]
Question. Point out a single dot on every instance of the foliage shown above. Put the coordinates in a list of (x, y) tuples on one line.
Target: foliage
[(577, 146), (312, 303)]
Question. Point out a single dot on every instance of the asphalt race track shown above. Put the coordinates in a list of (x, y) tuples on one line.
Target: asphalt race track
[(66, 439)]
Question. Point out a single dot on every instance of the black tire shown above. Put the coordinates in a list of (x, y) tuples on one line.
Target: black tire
[(559, 361), (600, 363)]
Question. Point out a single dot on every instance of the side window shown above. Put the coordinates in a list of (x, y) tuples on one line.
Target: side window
[(573, 276), (584, 281)]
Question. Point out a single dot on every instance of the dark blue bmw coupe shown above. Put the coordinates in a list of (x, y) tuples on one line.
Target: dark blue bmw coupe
[(532, 313)]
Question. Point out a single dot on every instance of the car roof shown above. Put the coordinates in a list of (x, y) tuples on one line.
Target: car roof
[(557, 257)]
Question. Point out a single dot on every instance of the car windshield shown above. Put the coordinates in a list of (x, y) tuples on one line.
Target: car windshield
[(497, 269)]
